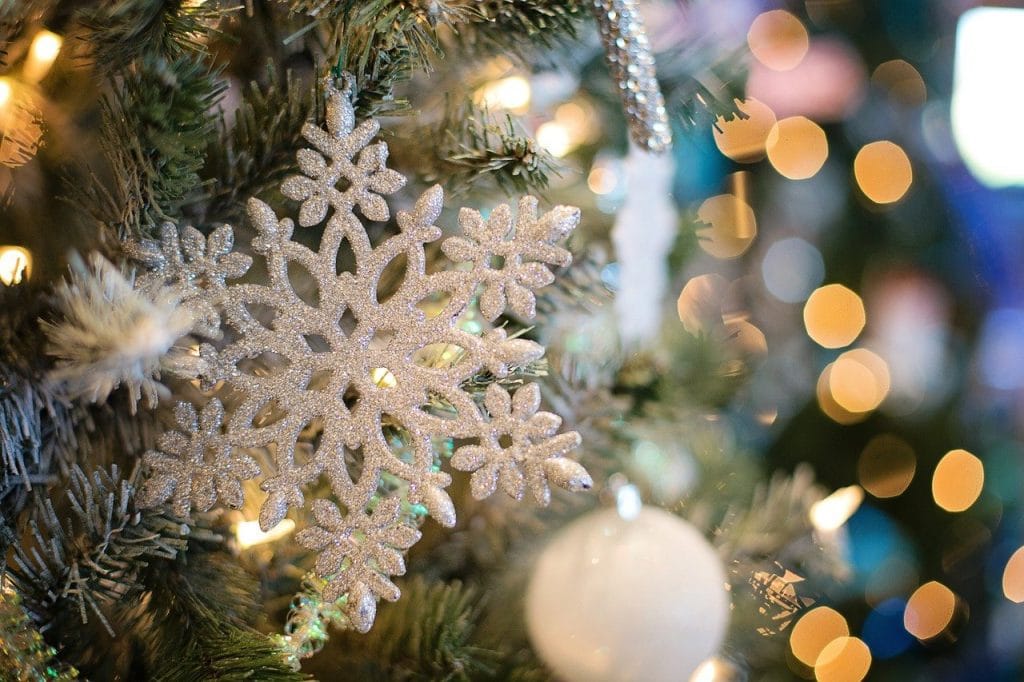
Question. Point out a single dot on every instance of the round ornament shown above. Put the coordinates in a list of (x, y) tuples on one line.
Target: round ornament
[(640, 598)]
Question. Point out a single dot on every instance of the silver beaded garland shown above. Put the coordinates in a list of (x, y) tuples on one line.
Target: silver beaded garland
[(629, 58)]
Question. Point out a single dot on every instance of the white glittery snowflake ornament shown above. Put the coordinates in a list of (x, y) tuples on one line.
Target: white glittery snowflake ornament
[(358, 369)]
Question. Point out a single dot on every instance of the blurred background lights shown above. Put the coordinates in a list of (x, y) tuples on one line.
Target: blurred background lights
[(792, 268), (845, 659), (895, 576), (985, 125), (716, 669), (883, 630), (701, 302), (15, 264), (910, 318), (744, 139), (930, 611), (828, 404), (886, 466), (958, 480), (827, 85), (731, 226), (778, 40), (554, 137), (832, 512), (5, 91), (602, 179), (883, 171), (859, 381), (41, 55), (797, 147), (1013, 577), (815, 630), (1001, 348), (512, 93), (901, 81), (834, 316)]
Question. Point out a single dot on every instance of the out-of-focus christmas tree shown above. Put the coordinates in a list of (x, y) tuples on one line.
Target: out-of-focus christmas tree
[(258, 381)]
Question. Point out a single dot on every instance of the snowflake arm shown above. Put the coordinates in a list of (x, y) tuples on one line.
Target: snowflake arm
[(322, 347)]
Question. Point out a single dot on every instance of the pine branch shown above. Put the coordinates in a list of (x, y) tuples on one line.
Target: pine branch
[(380, 42), (37, 429), (259, 150), (122, 32), (197, 625), (24, 655), (156, 129), (507, 26), (700, 88), (427, 635), (94, 559), (475, 148), (776, 523)]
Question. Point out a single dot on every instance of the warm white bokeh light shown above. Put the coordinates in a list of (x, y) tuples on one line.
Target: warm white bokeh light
[(15, 264), (512, 93), (984, 110), (41, 55), (797, 147), (883, 171)]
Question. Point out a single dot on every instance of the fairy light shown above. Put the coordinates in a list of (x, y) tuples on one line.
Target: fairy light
[(41, 55), (15, 264), (512, 94), (627, 502), (883, 171), (834, 316), (930, 611), (844, 659), (797, 147), (383, 377), (555, 138), (815, 630), (832, 512), (248, 533), (958, 480)]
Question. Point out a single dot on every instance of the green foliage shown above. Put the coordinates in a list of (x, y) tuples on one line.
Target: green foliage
[(427, 635), (380, 42), (94, 558), (474, 148), (259, 149), (503, 25), (197, 625), (24, 655), (700, 88), (127, 30), (156, 128), (37, 429)]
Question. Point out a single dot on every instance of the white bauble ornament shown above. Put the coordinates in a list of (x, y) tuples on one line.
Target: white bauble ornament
[(622, 599)]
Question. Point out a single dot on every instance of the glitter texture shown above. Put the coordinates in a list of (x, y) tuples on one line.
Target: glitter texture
[(631, 63), (361, 370)]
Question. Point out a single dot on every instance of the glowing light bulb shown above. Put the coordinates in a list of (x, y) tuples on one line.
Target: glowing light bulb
[(832, 512), (248, 533), (987, 45), (554, 137), (512, 93), (383, 377), (15, 264), (41, 55)]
